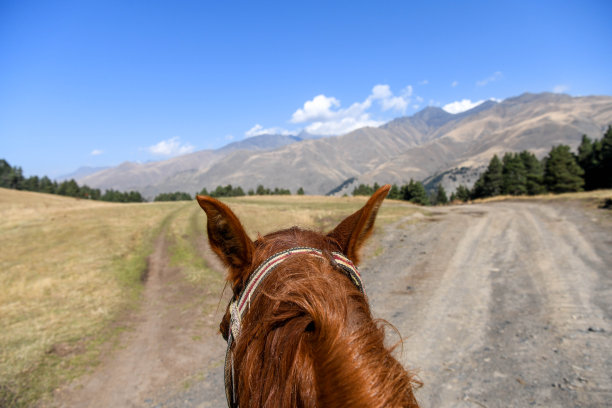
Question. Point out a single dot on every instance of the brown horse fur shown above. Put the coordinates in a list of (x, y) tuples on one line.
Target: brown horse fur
[(308, 338)]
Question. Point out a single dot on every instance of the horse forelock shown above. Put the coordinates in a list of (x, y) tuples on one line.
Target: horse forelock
[(309, 339)]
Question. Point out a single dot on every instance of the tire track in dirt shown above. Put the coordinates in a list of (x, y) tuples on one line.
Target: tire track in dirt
[(500, 304)]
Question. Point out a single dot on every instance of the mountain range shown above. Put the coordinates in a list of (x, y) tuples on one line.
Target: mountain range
[(429, 144)]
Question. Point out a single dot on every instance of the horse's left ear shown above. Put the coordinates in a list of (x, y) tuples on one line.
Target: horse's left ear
[(355, 229), (227, 237)]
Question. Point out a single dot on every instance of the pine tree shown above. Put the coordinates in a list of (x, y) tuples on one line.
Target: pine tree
[(136, 197), (514, 175), (534, 173), (300, 191), (32, 184), (595, 158), (462, 193), (588, 161), (441, 198), (11, 177), (5, 171), (46, 185), (394, 193), (261, 190), (606, 160), (363, 189), (490, 182), (415, 193), (561, 171)]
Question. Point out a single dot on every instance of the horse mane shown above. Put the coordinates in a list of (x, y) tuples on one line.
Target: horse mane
[(308, 338), (312, 328)]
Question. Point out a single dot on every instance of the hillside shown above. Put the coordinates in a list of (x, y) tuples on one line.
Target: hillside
[(150, 178), (420, 146)]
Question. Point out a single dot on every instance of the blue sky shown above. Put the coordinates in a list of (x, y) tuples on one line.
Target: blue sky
[(101, 82)]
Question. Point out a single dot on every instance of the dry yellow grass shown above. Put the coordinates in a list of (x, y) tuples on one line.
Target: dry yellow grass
[(264, 214), (65, 267), (597, 195), (69, 266)]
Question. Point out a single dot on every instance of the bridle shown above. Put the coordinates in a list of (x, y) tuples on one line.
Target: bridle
[(239, 306)]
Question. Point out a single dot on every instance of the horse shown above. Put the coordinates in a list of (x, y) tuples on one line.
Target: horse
[(299, 327)]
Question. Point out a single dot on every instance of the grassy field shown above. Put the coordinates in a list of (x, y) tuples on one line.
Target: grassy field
[(69, 268)]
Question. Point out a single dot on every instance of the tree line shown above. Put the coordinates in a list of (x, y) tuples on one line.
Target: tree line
[(561, 171), (229, 191), (12, 177), (414, 192)]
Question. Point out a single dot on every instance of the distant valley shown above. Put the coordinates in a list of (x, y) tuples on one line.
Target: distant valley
[(431, 144)]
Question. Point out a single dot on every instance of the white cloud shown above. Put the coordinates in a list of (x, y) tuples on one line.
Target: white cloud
[(495, 77), (319, 108), (561, 88), (342, 126), (96, 152), (325, 116), (170, 147), (454, 84), (383, 94), (259, 130), (424, 82), (461, 106)]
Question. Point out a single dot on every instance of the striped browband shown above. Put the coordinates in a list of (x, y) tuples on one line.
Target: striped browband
[(240, 306)]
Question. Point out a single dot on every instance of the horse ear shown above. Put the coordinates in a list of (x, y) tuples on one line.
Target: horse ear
[(226, 236), (356, 228)]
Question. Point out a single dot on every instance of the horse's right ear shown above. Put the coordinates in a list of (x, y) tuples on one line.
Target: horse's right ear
[(227, 237), (355, 229)]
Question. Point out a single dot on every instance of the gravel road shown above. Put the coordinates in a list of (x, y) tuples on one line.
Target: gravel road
[(504, 304)]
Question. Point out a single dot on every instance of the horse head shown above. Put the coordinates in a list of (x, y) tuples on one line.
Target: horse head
[(299, 326)]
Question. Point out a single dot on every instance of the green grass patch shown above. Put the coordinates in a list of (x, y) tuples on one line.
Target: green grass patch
[(187, 237)]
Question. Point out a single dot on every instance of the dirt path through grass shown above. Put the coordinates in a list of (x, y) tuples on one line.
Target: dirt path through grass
[(169, 343)]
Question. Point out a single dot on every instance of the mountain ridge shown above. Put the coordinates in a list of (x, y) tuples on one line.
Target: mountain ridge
[(427, 143)]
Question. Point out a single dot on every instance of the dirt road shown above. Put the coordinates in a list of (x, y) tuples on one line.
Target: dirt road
[(502, 304), (505, 304)]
